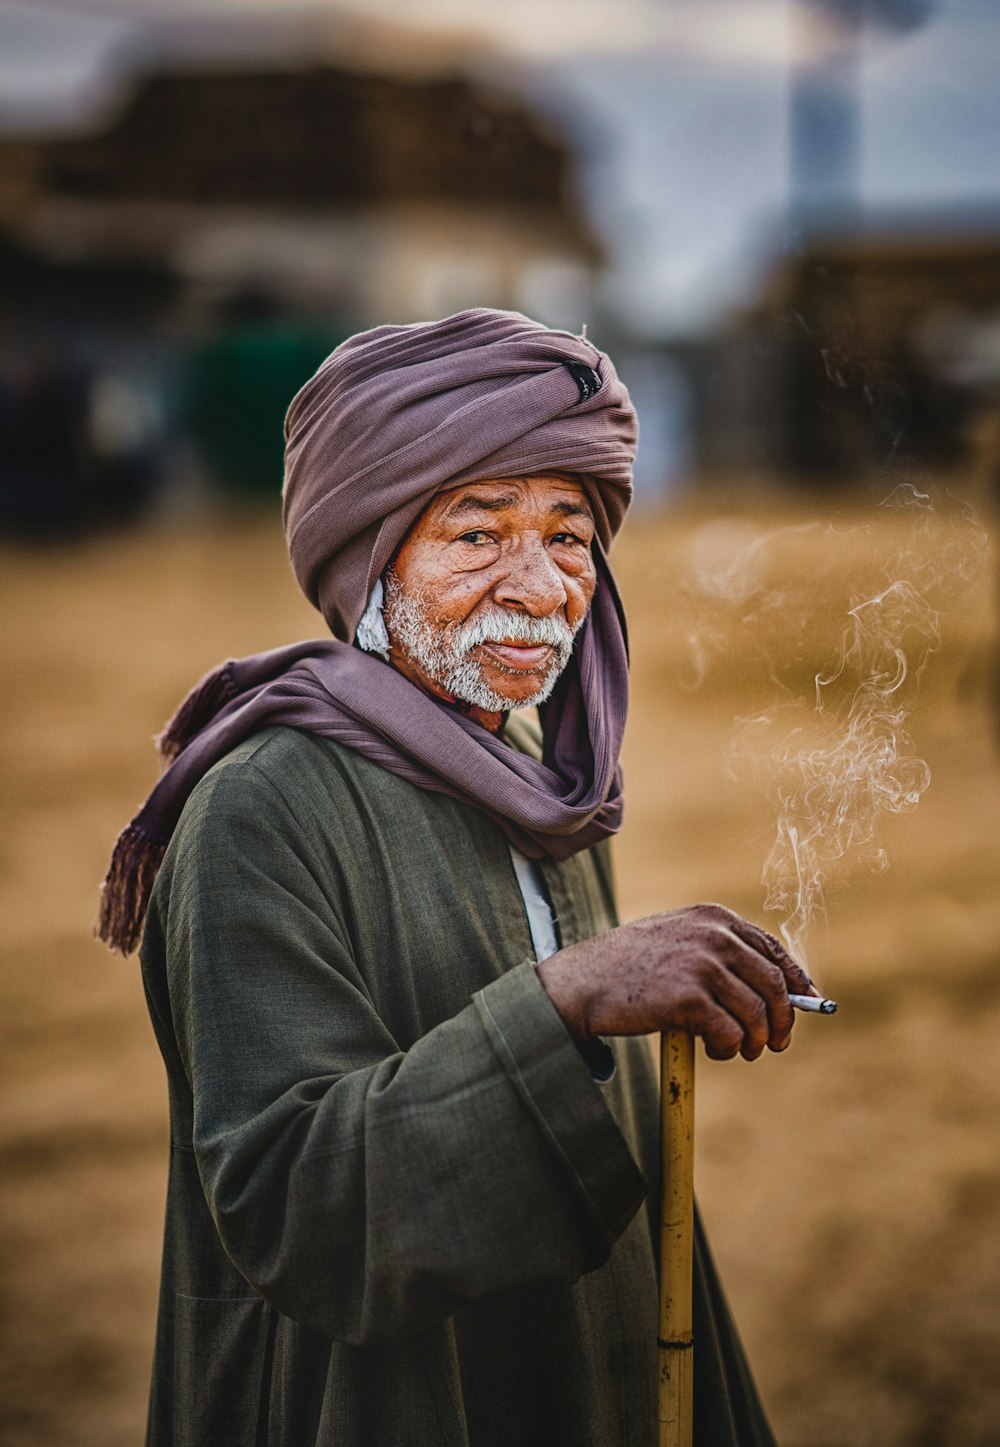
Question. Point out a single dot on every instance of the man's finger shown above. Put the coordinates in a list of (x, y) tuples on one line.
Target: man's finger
[(723, 1037), (721, 1031), (748, 1008), (767, 980), (796, 979)]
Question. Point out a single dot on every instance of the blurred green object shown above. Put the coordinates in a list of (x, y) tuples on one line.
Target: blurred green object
[(237, 387)]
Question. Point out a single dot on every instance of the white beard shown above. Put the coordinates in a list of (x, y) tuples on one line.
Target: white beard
[(443, 651)]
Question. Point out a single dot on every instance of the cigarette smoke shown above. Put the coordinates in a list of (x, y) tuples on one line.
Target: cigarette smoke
[(831, 752)]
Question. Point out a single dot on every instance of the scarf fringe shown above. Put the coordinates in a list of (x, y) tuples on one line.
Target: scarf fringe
[(204, 701), (125, 894)]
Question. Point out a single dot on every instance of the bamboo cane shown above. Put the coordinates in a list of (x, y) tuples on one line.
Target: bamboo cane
[(676, 1341)]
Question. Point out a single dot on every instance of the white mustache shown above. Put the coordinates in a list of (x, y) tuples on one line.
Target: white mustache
[(499, 626), (444, 651)]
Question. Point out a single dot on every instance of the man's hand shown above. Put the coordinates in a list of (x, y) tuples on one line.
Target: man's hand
[(704, 969)]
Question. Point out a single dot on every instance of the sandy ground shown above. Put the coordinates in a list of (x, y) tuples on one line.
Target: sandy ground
[(851, 1186)]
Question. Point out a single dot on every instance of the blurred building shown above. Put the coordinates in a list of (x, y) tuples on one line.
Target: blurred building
[(863, 351), (198, 255), (387, 195)]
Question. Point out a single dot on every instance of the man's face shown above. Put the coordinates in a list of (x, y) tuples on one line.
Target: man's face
[(489, 588)]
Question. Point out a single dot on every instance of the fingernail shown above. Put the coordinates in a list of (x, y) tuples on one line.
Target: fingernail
[(784, 1044)]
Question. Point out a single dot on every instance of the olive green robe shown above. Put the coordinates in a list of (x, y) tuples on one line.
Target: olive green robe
[(401, 1211)]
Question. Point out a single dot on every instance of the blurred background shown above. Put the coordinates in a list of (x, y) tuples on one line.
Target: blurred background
[(782, 218)]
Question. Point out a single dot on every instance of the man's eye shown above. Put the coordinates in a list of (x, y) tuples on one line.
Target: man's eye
[(477, 537), (570, 538)]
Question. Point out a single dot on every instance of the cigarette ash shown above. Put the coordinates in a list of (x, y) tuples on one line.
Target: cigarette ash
[(838, 626)]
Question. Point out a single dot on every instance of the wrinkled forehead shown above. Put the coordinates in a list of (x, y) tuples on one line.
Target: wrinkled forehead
[(521, 496), (533, 493)]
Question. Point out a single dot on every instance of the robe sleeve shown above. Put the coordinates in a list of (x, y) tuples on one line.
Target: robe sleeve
[(363, 1190)]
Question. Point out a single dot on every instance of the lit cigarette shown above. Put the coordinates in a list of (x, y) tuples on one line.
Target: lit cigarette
[(814, 1004)]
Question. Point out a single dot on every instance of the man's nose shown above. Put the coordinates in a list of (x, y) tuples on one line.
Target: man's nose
[(532, 581)]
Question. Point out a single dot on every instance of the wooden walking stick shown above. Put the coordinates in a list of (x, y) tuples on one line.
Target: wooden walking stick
[(676, 1343)]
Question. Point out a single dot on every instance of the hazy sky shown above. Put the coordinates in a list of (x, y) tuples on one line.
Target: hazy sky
[(683, 102)]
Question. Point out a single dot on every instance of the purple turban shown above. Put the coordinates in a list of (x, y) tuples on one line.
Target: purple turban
[(391, 417), (396, 413)]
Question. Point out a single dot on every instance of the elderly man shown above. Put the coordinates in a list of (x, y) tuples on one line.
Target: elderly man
[(381, 952)]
